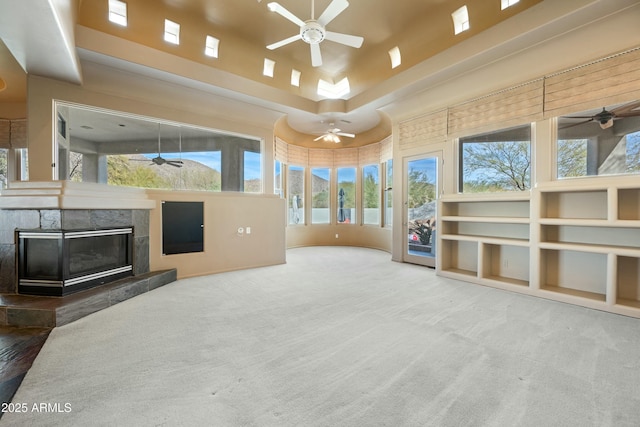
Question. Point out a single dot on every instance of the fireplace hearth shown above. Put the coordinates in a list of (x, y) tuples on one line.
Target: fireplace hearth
[(60, 262)]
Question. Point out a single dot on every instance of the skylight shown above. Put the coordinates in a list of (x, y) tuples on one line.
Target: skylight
[(118, 12), (171, 32), (460, 20), (396, 59), (295, 78), (268, 67), (333, 91), (507, 3), (211, 46)]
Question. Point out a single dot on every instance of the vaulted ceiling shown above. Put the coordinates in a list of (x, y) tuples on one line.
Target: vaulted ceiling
[(56, 38)]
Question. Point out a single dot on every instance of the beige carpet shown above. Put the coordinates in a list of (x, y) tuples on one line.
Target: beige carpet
[(336, 337)]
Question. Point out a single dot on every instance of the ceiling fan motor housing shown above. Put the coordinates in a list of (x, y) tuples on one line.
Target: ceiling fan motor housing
[(312, 32)]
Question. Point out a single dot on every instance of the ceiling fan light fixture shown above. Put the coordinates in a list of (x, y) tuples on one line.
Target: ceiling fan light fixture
[(312, 32)]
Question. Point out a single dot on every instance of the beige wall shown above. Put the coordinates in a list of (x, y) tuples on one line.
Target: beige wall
[(224, 248)]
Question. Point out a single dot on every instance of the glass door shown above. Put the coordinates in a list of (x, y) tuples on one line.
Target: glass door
[(420, 201)]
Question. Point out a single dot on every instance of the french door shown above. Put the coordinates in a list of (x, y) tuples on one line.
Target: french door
[(422, 187)]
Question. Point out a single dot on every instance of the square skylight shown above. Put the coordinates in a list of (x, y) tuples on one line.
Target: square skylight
[(211, 46), (295, 78), (333, 90), (396, 59), (460, 20), (507, 3), (268, 67), (118, 12), (171, 32)]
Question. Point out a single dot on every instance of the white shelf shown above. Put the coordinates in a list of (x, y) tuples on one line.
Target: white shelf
[(598, 249), (486, 239), (486, 219)]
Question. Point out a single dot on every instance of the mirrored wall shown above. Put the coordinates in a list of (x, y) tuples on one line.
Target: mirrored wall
[(102, 146)]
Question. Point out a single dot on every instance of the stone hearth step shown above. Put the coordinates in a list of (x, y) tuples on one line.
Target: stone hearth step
[(45, 311)]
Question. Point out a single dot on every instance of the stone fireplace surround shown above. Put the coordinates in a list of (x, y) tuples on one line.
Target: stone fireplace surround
[(69, 205)]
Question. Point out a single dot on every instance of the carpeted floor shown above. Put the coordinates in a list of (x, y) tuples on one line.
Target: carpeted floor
[(336, 337)]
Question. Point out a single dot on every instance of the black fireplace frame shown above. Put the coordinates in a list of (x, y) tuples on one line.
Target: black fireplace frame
[(64, 281)]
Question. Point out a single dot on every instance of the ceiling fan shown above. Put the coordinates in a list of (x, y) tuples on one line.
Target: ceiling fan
[(334, 134), (159, 160), (605, 117), (313, 31)]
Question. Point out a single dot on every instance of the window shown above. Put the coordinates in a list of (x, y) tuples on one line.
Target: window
[(277, 178), (320, 213), (211, 46), (370, 195), (171, 32), (295, 78), (507, 3), (296, 194), (388, 194), (346, 195), (268, 67), (599, 142), (4, 173), (394, 55), (118, 12), (460, 20), (496, 161), (252, 172), (134, 151)]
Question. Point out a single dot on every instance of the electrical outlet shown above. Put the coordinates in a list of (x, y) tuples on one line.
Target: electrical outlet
[(248, 230)]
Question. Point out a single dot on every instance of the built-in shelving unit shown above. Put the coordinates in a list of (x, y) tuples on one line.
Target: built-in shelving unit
[(486, 240), (569, 242)]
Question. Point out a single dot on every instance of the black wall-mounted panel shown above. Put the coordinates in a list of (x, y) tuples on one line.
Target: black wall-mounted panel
[(182, 227)]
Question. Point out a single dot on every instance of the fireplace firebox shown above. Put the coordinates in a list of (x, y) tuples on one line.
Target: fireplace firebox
[(60, 262)]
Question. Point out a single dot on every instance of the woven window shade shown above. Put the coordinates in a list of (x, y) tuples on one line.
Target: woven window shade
[(321, 157), (369, 154), (511, 107), (298, 156), (19, 133), (346, 157), (612, 80), (427, 129), (280, 150), (5, 134), (386, 149)]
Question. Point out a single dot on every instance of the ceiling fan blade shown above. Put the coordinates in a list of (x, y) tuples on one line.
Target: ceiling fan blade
[(175, 163), (348, 135), (576, 124), (334, 9), (316, 56), (346, 39), (320, 137), (277, 8), (627, 110), (284, 42)]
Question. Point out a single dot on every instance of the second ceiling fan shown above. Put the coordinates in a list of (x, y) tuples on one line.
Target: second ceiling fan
[(313, 31)]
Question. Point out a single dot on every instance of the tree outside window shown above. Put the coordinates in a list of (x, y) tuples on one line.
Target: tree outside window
[(497, 161), (371, 194), (346, 195)]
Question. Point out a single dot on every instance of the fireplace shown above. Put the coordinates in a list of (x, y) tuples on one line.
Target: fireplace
[(60, 262)]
